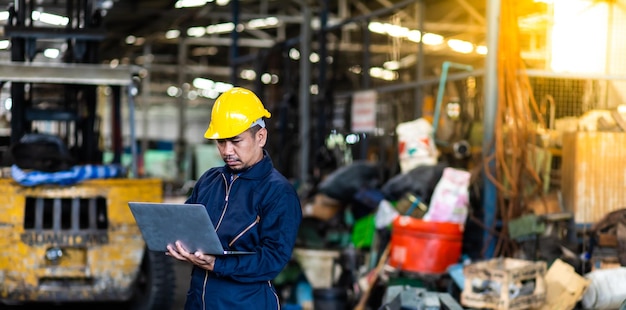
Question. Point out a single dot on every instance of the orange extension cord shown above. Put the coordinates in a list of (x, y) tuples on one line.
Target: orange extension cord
[(514, 130)]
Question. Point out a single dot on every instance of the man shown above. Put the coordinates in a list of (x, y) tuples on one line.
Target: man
[(253, 206)]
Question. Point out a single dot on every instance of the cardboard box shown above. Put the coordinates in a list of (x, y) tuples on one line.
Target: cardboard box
[(504, 283), (322, 207), (564, 286), (593, 174)]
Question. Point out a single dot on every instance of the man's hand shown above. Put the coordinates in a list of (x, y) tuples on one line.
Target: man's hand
[(199, 259)]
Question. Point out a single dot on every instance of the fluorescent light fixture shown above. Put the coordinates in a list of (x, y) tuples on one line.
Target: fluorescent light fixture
[(391, 65), (294, 54), (414, 35), (248, 74), (261, 23), (51, 19), (266, 78), (190, 3), (222, 2), (51, 53), (432, 39), (209, 88), (314, 57), (130, 40), (380, 73), (481, 49), (196, 31), (376, 27), (173, 91), (220, 28), (172, 34), (203, 83), (4, 44), (397, 31), (222, 87), (4, 15), (390, 29), (461, 46), (209, 93)]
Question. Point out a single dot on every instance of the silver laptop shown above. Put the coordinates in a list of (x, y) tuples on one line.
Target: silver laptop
[(165, 223)]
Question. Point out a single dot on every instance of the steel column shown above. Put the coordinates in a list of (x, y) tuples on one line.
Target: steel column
[(305, 98), (491, 107)]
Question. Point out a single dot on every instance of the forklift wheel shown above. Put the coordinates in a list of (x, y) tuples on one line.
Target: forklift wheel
[(154, 286)]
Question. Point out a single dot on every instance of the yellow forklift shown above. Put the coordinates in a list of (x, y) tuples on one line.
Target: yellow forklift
[(75, 243)]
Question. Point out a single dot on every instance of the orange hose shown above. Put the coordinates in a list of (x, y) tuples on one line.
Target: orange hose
[(514, 130)]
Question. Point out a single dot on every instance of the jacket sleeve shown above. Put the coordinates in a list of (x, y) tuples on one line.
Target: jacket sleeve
[(278, 231)]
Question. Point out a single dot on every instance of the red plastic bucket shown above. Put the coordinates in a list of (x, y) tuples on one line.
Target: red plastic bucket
[(424, 247)]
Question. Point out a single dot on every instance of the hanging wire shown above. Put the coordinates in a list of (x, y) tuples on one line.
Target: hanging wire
[(514, 134)]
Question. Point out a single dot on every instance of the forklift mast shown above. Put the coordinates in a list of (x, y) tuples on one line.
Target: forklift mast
[(71, 105)]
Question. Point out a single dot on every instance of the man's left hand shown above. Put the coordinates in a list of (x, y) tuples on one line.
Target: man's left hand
[(199, 259)]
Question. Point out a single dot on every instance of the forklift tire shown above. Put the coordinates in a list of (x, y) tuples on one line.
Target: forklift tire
[(154, 286)]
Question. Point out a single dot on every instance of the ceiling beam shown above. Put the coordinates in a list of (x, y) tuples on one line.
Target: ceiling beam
[(67, 73), (472, 11)]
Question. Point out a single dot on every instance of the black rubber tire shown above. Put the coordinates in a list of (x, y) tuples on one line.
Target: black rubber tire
[(155, 284)]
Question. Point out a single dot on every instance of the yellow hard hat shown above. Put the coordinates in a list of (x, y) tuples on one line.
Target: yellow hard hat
[(234, 112)]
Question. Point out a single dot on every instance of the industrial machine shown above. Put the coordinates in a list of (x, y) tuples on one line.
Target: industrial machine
[(78, 242)]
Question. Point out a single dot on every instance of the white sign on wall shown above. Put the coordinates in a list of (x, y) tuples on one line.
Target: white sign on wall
[(364, 111)]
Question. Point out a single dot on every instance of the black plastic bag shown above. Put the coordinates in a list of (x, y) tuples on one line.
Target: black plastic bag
[(41, 152), (419, 181), (343, 183)]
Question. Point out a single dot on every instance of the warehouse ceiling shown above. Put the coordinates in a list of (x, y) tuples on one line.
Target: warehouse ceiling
[(133, 29)]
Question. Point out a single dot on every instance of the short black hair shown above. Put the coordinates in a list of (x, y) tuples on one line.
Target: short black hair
[(254, 129)]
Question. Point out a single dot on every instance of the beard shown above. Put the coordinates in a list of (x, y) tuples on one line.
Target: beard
[(231, 159)]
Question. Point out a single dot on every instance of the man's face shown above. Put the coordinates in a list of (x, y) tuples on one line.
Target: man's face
[(243, 150)]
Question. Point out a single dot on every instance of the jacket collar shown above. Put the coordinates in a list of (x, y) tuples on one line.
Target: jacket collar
[(256, 171)]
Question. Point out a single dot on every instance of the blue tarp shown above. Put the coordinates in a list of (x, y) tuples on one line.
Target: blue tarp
[(66, 177)]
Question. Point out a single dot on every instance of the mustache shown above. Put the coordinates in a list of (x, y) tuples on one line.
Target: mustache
[(230, 158)]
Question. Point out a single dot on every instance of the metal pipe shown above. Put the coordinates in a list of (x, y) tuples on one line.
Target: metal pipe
[(491, 107), (376, 13), (305, 82), (116, 124), (145, 96), (574, 75), (182, 108), (322, 105), (412, 85), (366, 78), (131, 91), (419, 96), (443, 79), (234, 47)]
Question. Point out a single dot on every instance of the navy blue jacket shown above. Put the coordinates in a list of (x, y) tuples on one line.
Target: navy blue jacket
[(258, 211)]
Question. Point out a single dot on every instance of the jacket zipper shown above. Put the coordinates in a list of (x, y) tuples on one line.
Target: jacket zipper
[(206, 278), (269, 283), (228, 187), (256, 221)]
